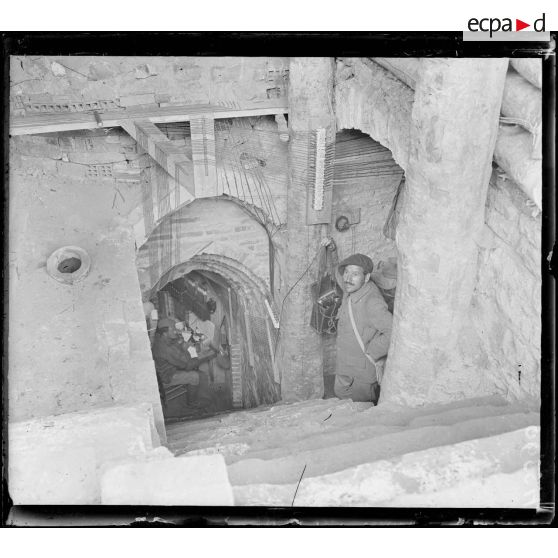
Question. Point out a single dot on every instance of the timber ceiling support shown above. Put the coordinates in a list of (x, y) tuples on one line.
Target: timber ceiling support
[(171, 157), (189, 177), (196, 174), (202, 132), (63, 122)]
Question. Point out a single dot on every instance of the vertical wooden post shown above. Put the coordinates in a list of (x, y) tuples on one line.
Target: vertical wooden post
[(236, 359), (202, 131), (453, 133), (276, 375), (300, 358)]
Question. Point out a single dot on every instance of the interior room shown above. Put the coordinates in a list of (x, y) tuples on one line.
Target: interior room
[(205, 205)]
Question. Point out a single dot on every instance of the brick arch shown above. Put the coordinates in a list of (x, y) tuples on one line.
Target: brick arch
[(258, 213), (252, 366), (245, 282), (209, 226)]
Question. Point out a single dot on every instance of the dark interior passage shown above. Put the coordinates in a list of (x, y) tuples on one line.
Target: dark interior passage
[(199, 304)]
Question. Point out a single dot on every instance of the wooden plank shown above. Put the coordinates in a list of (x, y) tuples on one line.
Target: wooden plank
[(61, 122), (202, 133), (321, 169), (172, 158), (276, 374), (248, 325)]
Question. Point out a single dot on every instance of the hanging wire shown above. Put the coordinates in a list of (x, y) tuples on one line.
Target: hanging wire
[(287, 296), (236, 157)]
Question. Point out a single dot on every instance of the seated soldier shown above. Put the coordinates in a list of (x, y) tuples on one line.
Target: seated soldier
[(174, 364)]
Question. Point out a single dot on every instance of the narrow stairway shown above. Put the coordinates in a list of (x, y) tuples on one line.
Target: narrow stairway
[(334, 452)]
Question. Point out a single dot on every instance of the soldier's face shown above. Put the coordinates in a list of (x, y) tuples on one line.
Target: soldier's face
[(354, 277), (172, 333)]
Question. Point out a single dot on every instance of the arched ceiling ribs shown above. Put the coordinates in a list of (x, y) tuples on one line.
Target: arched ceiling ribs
[(247, 284), (258, 213)]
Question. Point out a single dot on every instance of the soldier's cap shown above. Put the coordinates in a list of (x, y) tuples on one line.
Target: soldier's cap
[(357, 259), (165, 322)]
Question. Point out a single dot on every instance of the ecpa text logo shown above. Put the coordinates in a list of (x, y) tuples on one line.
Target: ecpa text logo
[(495, 24)]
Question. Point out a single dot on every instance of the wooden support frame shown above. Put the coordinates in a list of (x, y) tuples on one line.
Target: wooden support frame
[(63, 122), (172, 158), (202, 133), (321, 162)]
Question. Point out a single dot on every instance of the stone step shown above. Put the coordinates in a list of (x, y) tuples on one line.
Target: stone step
[(57, 459), (168, 481), (333, 425), (494, 471), (277, 413), (325, 460), (335, 411), (301, 419), (357, 433)]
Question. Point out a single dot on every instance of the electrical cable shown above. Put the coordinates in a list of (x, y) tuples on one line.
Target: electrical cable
[(287, 295)]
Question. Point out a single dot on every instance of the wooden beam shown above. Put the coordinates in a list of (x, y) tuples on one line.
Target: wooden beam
[(172, 158), (62, 122), (202, 133), (322, 160), (311, 97)]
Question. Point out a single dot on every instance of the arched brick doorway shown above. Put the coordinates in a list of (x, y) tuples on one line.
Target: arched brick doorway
[(220, 243)]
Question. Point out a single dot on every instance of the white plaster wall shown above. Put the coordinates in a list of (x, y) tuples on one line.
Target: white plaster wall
[(78, 346)]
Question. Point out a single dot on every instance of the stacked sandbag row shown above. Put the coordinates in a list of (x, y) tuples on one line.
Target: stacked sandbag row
[(518, 147)]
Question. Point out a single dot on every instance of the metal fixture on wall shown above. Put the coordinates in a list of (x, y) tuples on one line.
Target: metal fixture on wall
[(342, 223), (68, 264)]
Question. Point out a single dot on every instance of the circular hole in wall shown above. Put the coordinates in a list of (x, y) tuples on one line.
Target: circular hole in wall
[(68, 264)]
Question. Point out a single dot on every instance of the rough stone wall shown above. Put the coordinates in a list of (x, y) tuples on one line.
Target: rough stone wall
[(132, 80), (499, 341), (454, 125), (502, 328), (373, 100), (77, 346), (506, 306)]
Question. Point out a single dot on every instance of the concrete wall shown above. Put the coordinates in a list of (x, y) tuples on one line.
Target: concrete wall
[(72, 347)]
